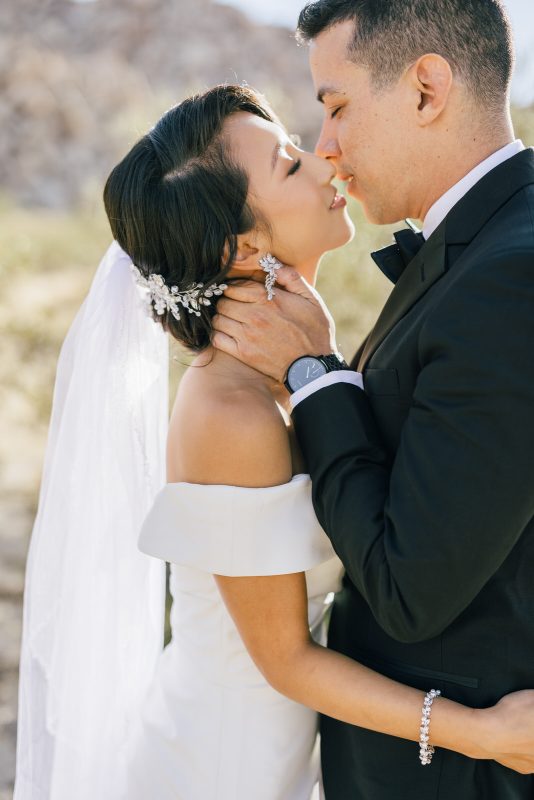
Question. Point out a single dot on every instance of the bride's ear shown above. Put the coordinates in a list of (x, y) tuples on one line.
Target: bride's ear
[(247, 255)]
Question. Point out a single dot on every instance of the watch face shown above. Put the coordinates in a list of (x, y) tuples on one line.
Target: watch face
[(304, 371)]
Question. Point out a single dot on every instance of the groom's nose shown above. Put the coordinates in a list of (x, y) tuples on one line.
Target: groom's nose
[(327, 144)]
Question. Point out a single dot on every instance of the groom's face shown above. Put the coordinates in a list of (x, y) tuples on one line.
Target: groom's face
[(366, 133)]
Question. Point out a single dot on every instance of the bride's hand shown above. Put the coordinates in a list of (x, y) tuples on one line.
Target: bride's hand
[(510, 731)]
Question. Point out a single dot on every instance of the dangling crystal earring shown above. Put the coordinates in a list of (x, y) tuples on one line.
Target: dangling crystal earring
[(270, 265)]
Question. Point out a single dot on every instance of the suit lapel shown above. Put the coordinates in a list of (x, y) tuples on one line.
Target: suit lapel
[(358, 354), (494, 190), (420, 274), (447, 243)]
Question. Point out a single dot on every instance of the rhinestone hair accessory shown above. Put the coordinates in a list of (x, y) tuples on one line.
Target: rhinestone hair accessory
[(270, 265), (166, 299)]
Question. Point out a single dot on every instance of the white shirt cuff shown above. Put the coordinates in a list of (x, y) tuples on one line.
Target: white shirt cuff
[(338, 376)]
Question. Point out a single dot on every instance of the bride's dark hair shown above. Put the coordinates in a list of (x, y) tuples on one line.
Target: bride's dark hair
[(177, 201)]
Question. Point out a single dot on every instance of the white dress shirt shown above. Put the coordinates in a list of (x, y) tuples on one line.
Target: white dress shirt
[(435, 216)]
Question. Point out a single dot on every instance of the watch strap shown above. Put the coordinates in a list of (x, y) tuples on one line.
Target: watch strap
[(333, 362)]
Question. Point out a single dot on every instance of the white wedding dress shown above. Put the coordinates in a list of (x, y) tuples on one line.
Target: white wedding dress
[(211, 728)]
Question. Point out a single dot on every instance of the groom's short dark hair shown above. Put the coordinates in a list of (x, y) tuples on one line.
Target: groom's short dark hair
[(473, 35)]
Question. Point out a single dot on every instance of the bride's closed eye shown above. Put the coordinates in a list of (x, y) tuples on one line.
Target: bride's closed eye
[(296, 166)]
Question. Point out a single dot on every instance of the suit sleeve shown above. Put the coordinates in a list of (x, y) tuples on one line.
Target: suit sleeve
[(422, 532)]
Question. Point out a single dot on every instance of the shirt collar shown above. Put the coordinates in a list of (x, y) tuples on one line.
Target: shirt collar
[(437, 213)]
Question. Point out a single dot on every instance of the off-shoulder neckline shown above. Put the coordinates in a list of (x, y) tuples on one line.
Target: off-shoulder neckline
[(299, 476)]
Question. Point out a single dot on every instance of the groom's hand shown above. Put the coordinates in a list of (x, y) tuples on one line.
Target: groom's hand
[(270, 334)]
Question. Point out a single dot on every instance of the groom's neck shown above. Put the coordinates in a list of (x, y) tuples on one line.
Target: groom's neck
[(460, 154)]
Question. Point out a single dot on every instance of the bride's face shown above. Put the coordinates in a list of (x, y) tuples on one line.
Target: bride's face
[(293, 190)]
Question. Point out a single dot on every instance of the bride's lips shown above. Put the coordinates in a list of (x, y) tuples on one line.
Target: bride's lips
[(338, 202)]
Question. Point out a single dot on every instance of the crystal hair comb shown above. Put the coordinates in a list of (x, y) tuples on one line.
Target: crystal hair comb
[(166, 299)]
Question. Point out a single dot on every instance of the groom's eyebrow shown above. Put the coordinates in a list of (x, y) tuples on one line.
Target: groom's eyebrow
[(327, 90)]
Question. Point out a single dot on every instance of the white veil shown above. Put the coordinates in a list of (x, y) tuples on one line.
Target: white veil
[(93, 603)]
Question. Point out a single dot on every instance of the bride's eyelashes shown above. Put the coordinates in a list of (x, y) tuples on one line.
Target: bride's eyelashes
[(296, 166), (335, 112)]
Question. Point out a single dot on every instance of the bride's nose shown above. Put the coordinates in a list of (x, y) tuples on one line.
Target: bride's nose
[(326, 170)]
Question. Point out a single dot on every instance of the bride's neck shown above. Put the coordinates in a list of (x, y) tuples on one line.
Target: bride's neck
[(308, 271), (229, 369), (228, 366)]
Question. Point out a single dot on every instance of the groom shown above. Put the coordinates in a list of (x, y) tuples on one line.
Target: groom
[(422, 454)]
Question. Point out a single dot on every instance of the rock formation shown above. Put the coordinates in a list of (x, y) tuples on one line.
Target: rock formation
[(80, 80)]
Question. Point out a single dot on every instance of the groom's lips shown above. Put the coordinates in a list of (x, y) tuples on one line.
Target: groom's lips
[(349, 180), (352, 187)]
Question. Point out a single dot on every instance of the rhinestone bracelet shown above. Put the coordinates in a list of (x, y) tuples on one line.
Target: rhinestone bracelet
[(426, 751)]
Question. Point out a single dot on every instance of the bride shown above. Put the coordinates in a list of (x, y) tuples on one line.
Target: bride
[(215, 192)]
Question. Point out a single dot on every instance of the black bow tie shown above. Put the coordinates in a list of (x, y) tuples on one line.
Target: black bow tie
[(394, 259)]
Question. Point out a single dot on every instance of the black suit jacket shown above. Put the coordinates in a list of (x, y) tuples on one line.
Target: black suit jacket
[(425, 485)]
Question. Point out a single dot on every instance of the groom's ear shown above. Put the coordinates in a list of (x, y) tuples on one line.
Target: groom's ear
[(432, 79)]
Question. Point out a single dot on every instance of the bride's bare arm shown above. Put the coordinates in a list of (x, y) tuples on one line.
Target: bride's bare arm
[(271, 615), (250, 448)]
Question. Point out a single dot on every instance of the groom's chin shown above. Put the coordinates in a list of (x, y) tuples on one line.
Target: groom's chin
[(377, 214), (377, 210)]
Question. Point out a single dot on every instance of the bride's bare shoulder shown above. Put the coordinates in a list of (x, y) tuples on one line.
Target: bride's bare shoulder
[(226, 428)]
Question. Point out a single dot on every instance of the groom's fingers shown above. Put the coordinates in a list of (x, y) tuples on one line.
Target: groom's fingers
[(230, 327), (292, 281), (237, 310), (246, 292), (288, 280), (221, 341)]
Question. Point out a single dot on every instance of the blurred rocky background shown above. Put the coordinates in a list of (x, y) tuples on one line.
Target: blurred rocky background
[(79, 82), (78, 79)]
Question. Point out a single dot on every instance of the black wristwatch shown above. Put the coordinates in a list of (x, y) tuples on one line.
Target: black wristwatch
[(306, 369)]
